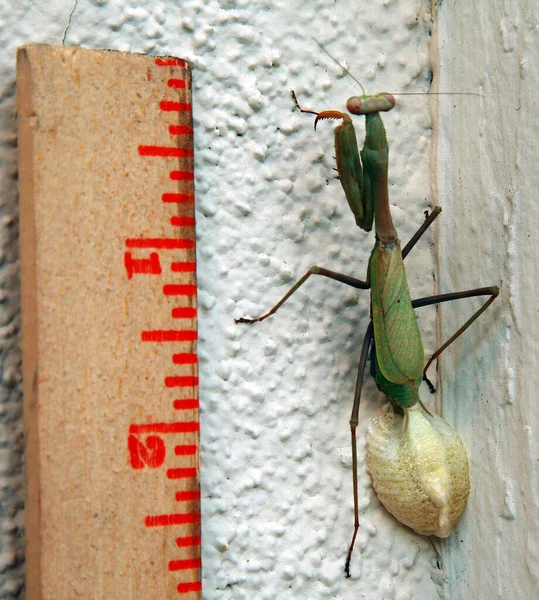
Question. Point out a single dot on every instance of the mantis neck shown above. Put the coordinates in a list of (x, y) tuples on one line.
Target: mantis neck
[(385, 230), (376, 145)]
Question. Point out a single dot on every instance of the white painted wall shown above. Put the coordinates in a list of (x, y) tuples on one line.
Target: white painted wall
[(488, 185), (276, 398)]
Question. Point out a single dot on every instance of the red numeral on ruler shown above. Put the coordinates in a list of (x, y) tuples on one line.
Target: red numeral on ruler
[(170, 448)]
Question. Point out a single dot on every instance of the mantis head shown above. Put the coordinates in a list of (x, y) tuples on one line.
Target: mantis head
[(365, 105)]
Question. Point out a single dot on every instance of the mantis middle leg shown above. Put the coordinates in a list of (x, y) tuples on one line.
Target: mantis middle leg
[(346, 279)]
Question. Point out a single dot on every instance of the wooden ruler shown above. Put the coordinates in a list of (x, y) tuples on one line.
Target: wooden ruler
[(109, 325)]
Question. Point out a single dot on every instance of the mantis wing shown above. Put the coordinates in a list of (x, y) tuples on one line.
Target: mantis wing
[(399, 349)]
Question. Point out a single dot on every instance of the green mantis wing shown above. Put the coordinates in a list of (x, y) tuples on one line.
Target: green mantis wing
[(399, 349)]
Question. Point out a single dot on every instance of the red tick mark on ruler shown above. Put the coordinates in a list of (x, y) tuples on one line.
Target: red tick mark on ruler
[(184, 312), (182, 221), (178, 84), (183, 267), (184, 588), (180, 130), (191, 563), (185, 450), (165, 151), (185, 358), (181, 473), (188, 496), (177, 198), (178, 427), (172, 106), (181, 176), (169, 62), (186, 404), (188, 540), (174, 289), (169, 335), (160, 243), (181, 381), (172, 519)]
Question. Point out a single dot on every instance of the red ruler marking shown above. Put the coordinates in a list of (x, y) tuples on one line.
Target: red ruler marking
[(189, 540), (179, 290), (181, 381), (177, 198), (182, 176), (182, 221), (180, 130), (165, 151), (173, 106), (184, 312), (147, 266), (185, 358), (190, 563), (186, 404), (183, 267), (184, 588), (172, 519), (171, 335), (170, 62), (185, 450), (160, 243), (187, 496), (152, 450), (181, 473), (176, 83), (178, 427)]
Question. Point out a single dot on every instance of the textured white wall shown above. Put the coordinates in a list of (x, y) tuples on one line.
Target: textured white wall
[(276, 397)]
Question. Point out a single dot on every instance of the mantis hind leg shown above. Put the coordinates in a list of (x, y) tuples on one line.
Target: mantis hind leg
[(493, 292), (354, 419)]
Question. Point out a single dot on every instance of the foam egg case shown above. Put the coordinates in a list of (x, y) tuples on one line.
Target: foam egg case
[(419, 469)]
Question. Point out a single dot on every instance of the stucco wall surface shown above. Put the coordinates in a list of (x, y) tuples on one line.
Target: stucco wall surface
[(276, 397)]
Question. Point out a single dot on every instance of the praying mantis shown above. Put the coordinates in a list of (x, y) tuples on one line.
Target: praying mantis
[(417, 461)]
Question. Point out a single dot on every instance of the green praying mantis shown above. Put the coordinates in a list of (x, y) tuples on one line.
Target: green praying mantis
[(432, 496)]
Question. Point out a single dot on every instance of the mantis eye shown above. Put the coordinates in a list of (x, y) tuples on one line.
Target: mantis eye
[(354, 105)]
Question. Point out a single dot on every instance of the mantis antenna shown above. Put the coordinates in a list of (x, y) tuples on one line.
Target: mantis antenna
[(342, 66), (394, 93)]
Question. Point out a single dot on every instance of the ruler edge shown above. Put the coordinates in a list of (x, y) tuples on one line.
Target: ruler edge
[(29, 320), (29, 305)]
